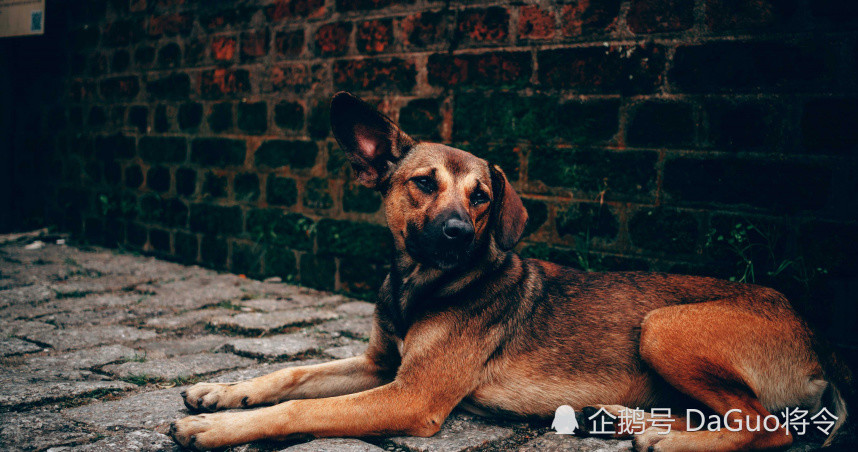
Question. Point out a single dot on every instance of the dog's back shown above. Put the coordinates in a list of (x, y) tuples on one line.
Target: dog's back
[(579, 333)]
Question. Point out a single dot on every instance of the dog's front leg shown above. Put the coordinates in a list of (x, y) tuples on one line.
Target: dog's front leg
[(335, 378), (389, 409), (345, 376), (439, 368)]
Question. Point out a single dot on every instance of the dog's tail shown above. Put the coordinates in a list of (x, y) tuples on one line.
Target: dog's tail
[(840, 395), (839, 435)]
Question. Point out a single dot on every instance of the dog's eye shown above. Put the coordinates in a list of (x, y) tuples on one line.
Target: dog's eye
[(479, 197), (425, 183)]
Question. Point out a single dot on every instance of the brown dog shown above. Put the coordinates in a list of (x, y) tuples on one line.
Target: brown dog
[(461, 319)]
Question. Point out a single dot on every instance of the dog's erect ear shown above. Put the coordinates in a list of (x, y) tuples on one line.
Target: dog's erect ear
[(510, 216), (372, 142)]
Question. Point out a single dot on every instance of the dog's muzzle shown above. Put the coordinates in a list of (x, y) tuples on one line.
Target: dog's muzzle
[(457, 232), (445, 242)]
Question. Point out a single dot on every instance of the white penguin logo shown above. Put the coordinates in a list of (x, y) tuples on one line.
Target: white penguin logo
[(564, 420)]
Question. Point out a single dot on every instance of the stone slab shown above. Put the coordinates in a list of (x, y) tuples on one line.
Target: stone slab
[(149, 410), (334, 445), (23, 328), (352, 348), (186, 319), (134, 441), (46, 273), (8, 282), (106, 302), (194, 292), (184, 346), (268, 304), (552, 442), (314, 298), (275, 347), (30, 295), (14, 346), (93, 319), (39, 430), (26, 386), (358, 308), (354, 327), (79, 287), (461, 431), (264, 322), (150, 268), (82, 337), (83, 359), (179, 366)]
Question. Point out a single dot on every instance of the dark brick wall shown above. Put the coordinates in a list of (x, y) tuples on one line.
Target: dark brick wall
[(637, 131)]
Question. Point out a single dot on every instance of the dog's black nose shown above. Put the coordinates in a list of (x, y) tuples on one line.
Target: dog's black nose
[(458, 230)]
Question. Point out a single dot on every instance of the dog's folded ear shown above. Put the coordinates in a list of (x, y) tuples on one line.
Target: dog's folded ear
[(510, 216), (371, 141)]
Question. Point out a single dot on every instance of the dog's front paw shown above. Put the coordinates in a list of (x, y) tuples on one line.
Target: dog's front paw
[(207, 431), (647, 440), (212, 397), (192, 432)]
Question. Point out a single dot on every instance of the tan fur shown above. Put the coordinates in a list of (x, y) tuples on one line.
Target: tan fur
[(509, 336)]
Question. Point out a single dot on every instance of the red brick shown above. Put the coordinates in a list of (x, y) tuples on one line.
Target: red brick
[(834, 13), (374, 36), (747, 14), (173, 86), (170, 25), (427, 29), (371, 74), (169, 55), (98, 64), (169, 3), (654, 16), (223, 48), (535, 22), (754, 66), (290, 9), (235, 17), (662, 124), (195, 51), (81, 90), (614, 69), (828, 126), (585, 17), (363, 5), (484, 25), (495, 68), (137, 5), (120, 87), (220, 82), (85, 38), (121, 33), (333, 39), (767, 184), (289, 43), (254, 44), (291, 77)]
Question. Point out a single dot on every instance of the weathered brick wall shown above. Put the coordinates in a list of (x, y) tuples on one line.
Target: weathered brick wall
[(638, 131)]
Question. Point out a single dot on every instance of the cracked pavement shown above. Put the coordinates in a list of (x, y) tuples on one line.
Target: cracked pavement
[(96, 346)]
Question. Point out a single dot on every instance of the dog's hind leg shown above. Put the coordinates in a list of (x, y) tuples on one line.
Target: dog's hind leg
[(731, 359)]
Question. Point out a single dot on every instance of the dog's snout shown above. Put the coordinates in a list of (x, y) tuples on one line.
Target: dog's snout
[(458, 230)]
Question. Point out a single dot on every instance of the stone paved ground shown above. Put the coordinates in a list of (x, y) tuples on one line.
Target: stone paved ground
[(96, 345)]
